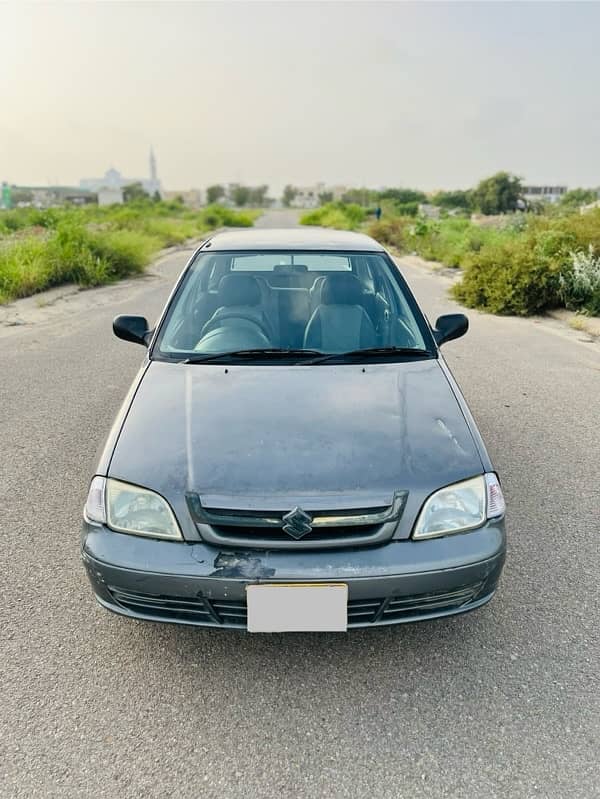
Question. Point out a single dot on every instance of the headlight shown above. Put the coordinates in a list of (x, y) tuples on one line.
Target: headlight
[(130, 509), (460, 507)]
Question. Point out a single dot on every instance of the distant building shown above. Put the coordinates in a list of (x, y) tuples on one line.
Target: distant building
[(337, 191), (113, 179), (47, 196), (310, 196), (5, 195), (546, 194), (110, 196), (429, 211)]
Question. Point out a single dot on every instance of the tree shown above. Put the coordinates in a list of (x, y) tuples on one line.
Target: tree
[(453, 199), (403, 195), (359, 196), (215, 193), (498, 194), (156, 196), (258, 195), (575, 198), (289, 193), (240, 194), (133, 192), (325, 197)]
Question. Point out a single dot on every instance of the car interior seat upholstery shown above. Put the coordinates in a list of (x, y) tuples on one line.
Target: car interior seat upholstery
[(240, 298), (340, 321)]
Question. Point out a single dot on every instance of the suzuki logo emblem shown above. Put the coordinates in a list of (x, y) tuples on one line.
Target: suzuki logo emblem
[(297, 523)]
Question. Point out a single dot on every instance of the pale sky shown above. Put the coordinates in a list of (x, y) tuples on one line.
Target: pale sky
[(425, 94)]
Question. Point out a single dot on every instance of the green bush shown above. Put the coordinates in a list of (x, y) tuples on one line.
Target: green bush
[(215, 216), (511, 277), (408, 209), (338, 215), (169, 231), (390, 232), (527, 271), (580, 284), (450, 240), (93, 258), (24, 268)]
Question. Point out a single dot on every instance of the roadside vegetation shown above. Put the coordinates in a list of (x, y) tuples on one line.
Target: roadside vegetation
[(91, 245), (512, 261), (343, 216)]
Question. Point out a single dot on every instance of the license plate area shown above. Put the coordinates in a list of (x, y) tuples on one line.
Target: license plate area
[(297, 607)]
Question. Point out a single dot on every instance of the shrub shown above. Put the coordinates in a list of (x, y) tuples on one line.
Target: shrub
[(580, 285), (390, 232), (72, 254), (510, 277), (449, 241), (169, 231), (23, 268), (218, 216), (408, 209), (336, 215)]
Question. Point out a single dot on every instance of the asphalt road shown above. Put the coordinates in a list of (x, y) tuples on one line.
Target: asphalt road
[(503, 702)]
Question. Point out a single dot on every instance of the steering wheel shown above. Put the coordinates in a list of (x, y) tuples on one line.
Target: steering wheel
[(232, 337), (217, 322)]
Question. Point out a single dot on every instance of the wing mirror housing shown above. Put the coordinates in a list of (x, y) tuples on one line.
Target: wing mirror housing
[(450, 326), (132, 328)]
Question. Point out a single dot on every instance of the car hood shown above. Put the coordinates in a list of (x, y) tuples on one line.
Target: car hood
[(271, 437)]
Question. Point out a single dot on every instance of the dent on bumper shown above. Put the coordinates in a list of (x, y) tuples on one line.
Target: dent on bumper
[(203, 585)]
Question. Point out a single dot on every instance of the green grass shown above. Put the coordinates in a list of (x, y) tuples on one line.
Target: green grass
[(92, 246), (336, 215)]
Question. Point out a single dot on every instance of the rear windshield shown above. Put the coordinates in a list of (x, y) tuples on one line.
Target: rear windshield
[(310, 262), (319, 301)]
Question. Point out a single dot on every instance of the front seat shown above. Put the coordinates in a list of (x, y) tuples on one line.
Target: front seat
[(340, 323), (240, 305)]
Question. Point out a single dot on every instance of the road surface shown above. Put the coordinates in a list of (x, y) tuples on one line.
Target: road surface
[(504, 702)]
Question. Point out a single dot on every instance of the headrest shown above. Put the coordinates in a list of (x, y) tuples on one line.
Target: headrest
[(239, 290), (342, 289)]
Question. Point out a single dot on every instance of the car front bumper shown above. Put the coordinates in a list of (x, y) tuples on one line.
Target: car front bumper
[(197, 584)]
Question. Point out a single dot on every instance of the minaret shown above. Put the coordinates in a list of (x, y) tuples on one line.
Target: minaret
[(153, 176)]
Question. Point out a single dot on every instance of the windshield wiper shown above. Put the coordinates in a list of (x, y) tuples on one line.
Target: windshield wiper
[(267, 353), (367, 352)]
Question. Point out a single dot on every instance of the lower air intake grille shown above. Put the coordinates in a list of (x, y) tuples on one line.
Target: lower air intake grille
[(216, 613)]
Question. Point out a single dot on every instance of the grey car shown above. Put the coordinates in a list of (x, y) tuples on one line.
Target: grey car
[(294, 453)]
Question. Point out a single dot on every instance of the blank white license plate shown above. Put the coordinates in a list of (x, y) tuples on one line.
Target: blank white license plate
[(297, 607)]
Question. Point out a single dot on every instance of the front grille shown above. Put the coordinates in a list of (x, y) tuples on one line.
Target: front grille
[(297, 527), (217, 613), (360, 534)]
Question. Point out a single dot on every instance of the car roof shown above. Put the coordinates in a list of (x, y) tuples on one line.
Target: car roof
[(310, 238)]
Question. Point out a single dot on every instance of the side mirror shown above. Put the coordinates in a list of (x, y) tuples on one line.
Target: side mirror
[(131, 328), (450, 326)]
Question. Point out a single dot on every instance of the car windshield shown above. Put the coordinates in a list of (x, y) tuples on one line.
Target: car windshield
[(275, 302)]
